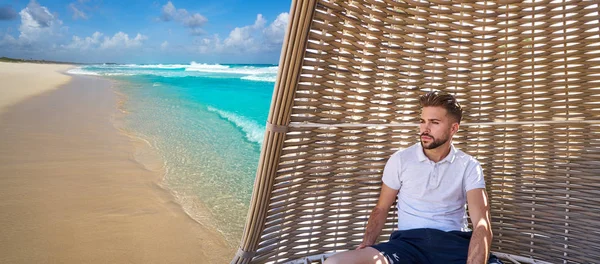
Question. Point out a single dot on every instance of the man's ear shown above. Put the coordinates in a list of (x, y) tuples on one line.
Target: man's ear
[(454, 128)]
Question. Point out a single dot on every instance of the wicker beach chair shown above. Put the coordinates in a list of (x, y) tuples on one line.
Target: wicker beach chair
[(526, 72)]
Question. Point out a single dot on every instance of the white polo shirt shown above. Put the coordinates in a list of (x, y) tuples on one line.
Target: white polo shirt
[(432, 195)]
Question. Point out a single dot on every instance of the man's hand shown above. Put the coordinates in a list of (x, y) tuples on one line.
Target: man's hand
[(361, 246)]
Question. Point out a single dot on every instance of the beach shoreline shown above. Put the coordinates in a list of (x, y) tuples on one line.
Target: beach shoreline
[(73, 189), (146, 154)]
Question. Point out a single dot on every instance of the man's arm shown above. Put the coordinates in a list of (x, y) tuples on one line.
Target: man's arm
[(479, 210), (378, 216)]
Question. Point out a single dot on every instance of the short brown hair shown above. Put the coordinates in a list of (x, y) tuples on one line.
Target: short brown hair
[(445, 100)]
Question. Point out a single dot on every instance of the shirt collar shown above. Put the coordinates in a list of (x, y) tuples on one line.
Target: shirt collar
[(449, 158), (451, 155)]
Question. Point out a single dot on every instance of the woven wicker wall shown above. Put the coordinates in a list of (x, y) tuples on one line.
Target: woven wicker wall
[(527, 74)]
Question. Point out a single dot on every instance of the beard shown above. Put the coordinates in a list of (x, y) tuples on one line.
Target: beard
[(435, 141)]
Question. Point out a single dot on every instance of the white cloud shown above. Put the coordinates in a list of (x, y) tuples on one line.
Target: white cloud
[(254, 38), (37, 34), (192, 21), (76, 12), (168, 12), (275, 32), (9, 40), (98, 41), (195, 20), (85, 44), (41, 31), (38, 15), (197, 31), (247, 38), (211, 44), (164, 45), (122, 40), (260, 22), (239, 38), (37, 23)]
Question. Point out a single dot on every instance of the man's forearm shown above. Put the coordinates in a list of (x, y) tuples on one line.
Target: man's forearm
[(479, 247), (374, 225)]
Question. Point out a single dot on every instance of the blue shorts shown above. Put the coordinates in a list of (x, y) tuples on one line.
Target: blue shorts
[(428, 245)]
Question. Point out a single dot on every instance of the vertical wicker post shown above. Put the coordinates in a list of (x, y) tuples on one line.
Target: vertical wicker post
[(290, 66)]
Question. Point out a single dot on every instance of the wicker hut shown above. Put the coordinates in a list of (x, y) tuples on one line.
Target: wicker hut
[(346, 97)]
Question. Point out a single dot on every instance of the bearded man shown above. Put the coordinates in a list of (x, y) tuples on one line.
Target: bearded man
[(433, 182)]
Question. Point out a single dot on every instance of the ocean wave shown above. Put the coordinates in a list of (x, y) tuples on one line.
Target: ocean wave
[(254, 132), (217, 68), (245, 72), (80, 71), (106, 71), (200, 66), (119, 74), (260, 78), (155, 66)]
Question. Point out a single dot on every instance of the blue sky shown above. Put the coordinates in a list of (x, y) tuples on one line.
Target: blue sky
[(176, 31)]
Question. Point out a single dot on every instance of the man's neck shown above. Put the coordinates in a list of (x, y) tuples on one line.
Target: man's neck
[(438, 153)]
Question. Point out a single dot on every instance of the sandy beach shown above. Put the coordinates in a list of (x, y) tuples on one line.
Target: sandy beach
[(71, 189), (20, 81)]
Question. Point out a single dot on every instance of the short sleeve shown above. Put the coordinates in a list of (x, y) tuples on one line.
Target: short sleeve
[(391, 172), (474, 178)]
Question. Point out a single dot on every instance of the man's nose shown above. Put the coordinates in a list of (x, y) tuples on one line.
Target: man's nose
[(424, 127)]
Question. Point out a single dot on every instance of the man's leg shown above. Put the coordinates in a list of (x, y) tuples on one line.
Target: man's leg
[(366, 255)]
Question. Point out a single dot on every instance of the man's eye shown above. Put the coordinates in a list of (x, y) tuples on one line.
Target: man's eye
[(435, 123)]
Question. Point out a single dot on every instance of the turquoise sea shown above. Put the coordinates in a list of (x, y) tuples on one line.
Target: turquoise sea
[(206, 122)]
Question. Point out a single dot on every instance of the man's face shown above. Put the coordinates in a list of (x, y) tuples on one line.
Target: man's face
[(436, 127)]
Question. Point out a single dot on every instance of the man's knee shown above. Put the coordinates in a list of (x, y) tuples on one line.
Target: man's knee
[(365, 255), (334, 259)]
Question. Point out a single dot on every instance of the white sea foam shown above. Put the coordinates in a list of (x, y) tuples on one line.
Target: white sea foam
[(250, 73), (120, 74), (254, 132), (149, 72), (200, 66), (80, 71), (217, 68), (153, 66), (258, 78), (130, 71)]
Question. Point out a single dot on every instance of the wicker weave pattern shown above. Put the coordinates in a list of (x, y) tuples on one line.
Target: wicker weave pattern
[(527, 74)]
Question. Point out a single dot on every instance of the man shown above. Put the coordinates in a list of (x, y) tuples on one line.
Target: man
[(432, 181)]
